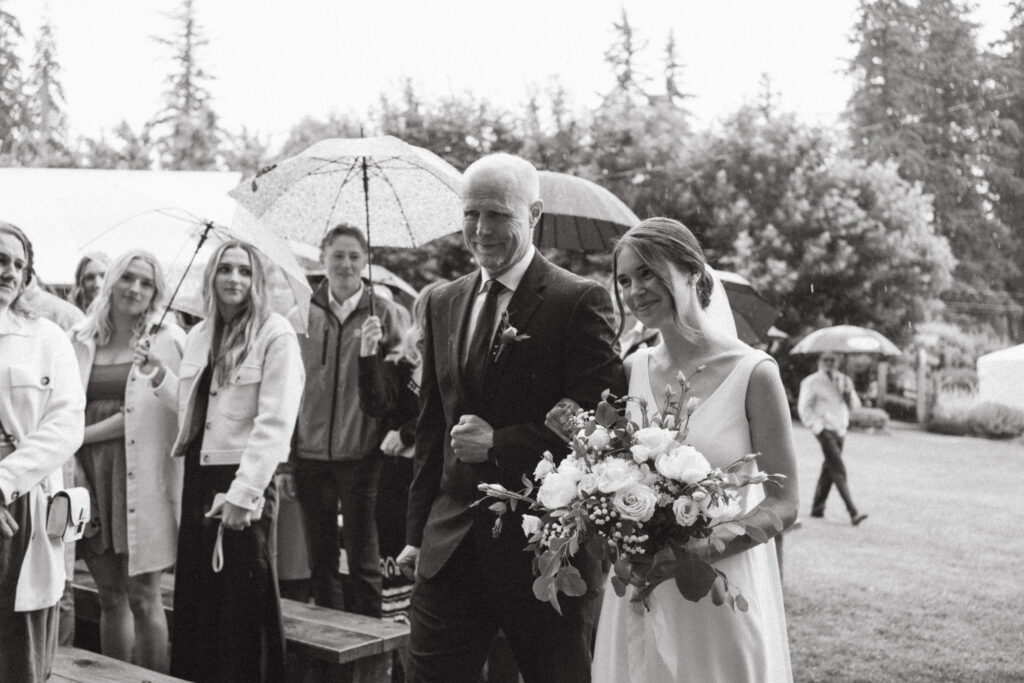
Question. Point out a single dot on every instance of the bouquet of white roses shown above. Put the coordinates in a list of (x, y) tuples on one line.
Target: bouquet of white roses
[(638, 491)]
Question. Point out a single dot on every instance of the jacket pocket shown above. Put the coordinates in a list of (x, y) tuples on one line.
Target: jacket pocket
[(241, 401), (28, 382)]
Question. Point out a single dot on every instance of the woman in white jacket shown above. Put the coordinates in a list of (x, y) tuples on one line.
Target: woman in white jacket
[(238, 392), (41, 418), (125, 460)]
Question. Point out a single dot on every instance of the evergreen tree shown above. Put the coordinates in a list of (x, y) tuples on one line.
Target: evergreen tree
[(12, 94), (674, 74), (188, 135), (921, 101), (48, 139), (621, 57), (128, 150)]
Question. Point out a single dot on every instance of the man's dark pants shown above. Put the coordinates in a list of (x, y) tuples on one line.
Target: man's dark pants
[(833, 471), (319, 486), (484, 586)]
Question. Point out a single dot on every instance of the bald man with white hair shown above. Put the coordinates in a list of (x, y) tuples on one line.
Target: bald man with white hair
[(501, 346)]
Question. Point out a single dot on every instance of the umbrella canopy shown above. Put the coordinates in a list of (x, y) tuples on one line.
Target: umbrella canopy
[(580, 215), (184, 243), (753, 315), (846, 339), (400, 195)]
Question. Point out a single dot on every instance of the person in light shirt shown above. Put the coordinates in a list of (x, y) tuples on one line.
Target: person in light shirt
[(826, 399)]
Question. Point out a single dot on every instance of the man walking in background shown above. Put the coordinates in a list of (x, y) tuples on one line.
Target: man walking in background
[(826, 399)]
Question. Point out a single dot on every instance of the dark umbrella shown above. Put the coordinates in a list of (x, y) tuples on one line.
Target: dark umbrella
[(753, 315), (580, 215)]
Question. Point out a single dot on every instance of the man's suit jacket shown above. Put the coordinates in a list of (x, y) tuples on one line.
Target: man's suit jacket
[(569, 353)]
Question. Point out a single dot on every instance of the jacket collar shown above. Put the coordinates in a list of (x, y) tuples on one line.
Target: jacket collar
[(12, 323)]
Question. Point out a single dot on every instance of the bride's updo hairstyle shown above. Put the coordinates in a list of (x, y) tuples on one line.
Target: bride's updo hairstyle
[(658, 242)]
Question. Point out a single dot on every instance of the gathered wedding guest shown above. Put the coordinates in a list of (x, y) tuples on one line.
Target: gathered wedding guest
[(89, 274), (389, 389), (125, 458), (485, 392), (238, 393), (826, 399), (336, 456), (661, 275), (66, 315), (41, 422)]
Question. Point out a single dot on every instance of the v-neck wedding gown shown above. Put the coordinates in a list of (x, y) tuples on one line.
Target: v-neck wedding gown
[(679, 640)]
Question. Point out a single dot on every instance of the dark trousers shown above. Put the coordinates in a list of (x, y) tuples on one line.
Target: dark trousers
[(485, 587), (227, 624), (320, 486), (833, 471)]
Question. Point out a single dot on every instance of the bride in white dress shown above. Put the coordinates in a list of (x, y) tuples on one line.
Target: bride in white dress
[(660, 274)]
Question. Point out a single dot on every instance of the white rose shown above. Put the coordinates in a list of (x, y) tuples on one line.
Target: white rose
[(570, 467), (650, 443), (636, 502), (684, 464), (557, 491), (722, 510), (588, 484), (599, 439), (615, 474), (531, 524), (686, 510), (543, 469)]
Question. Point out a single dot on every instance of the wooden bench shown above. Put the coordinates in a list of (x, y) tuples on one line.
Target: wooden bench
[(322, 644), (72, 665)]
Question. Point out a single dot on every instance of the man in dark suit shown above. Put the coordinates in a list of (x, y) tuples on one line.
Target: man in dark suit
[(485, 392)]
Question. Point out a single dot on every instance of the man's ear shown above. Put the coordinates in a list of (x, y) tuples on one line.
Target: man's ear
[(536, 209)]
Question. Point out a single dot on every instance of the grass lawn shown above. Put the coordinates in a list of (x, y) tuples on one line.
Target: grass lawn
[(929, 587)]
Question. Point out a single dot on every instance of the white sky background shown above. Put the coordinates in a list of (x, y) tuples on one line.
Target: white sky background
[(276, 62)]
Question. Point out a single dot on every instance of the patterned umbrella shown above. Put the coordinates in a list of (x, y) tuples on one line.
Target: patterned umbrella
[(408, 194), (580, 215), (846, 339)]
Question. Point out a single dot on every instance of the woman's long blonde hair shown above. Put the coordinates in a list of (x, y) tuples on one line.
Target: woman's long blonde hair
[(99, 325), (77, 294), (237, 335)]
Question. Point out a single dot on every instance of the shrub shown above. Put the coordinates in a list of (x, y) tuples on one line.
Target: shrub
[(961, 412), (869, 418), (995, 420)]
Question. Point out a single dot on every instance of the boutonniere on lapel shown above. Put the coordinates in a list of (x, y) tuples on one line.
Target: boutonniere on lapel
[(507, 335)]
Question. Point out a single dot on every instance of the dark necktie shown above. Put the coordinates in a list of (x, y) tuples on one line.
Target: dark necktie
[(478, 354)]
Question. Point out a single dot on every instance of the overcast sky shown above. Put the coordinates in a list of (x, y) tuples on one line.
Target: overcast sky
[(275, 62)]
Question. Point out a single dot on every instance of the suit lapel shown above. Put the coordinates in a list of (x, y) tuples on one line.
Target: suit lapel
[(521, 308), (459, 307)]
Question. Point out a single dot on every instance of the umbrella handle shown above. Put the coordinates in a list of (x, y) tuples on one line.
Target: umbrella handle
[(167, 307)]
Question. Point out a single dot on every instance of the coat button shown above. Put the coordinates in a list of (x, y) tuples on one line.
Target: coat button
[(131, 474), (14, 496), (131, 511), (45, 381), (206, 458), (128, 409), (209, 425), (213, 392), (131, 442)]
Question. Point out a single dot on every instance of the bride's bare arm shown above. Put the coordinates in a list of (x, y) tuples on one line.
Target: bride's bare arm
[(771, 435)]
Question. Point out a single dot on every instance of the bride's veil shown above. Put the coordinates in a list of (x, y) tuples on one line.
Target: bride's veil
[(718, 310)]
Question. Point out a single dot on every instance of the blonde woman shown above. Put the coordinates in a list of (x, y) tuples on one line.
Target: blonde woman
[(41, 409), (125, 460), (89, 275), (238, 393)]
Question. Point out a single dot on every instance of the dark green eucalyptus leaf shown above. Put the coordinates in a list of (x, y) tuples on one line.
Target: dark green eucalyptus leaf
[(694, 578)]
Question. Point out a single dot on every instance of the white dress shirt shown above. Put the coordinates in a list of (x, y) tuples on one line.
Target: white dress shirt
[(510, 279), (343, 309), (821, 404)]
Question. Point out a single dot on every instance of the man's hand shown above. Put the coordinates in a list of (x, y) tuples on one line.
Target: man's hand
[(8, 527), (392, 443), (407, 561), (471, 439)]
